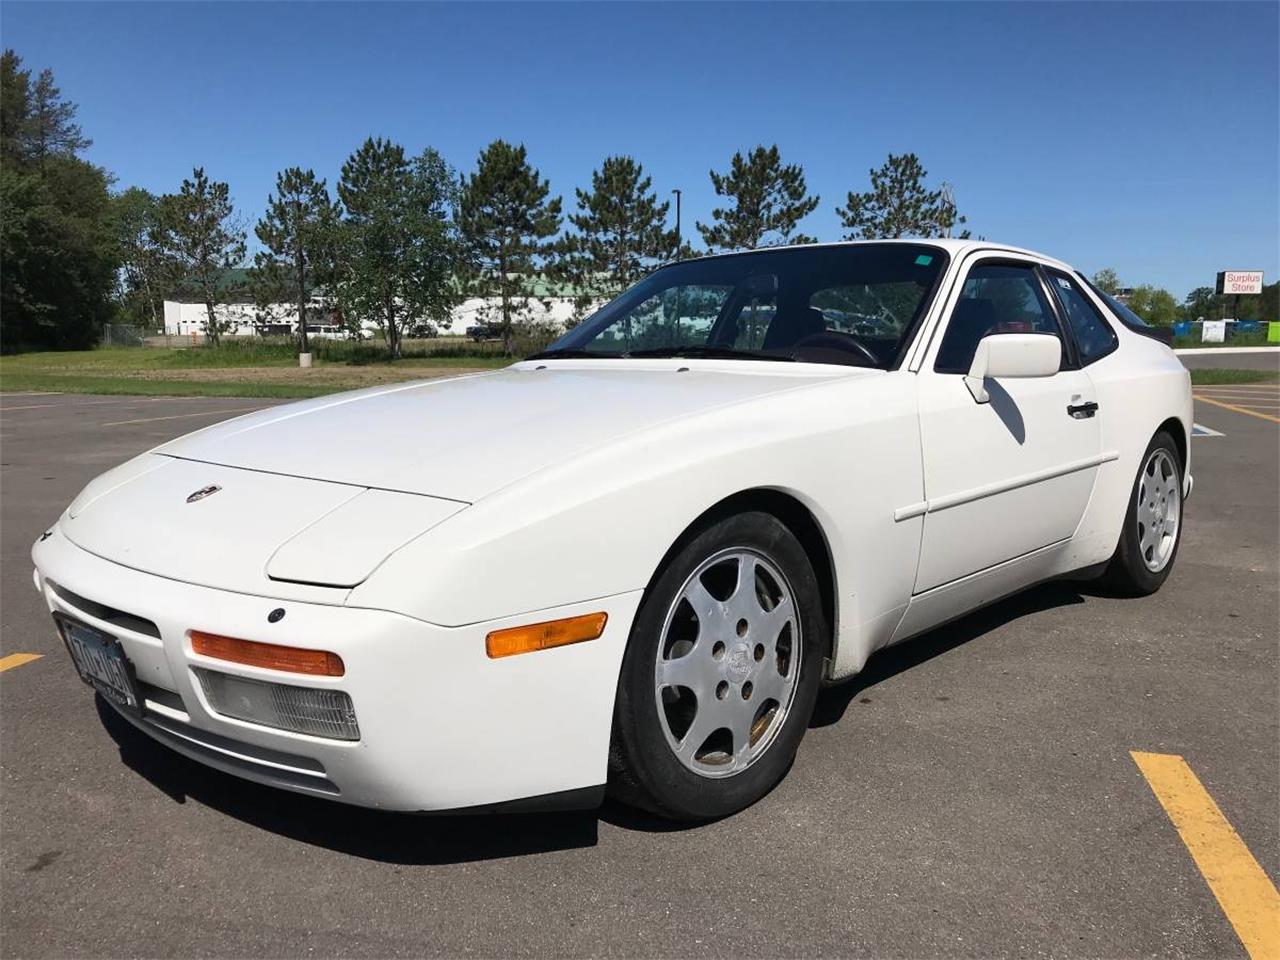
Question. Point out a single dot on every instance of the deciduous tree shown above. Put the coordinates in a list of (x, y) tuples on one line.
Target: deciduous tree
[(1156, 306), (507, 215), (200, 232), (769, 199), (398, 245), (1107, 280), (1201, 304), (899, 204), (145, 269)]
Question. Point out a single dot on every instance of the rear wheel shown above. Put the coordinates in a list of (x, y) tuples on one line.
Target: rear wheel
[(721, 672), (1152, 530)]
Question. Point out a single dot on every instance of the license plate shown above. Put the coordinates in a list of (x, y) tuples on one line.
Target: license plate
[(101, 662)]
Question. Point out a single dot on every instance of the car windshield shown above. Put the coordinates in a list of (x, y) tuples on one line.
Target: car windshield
[(850, 304)]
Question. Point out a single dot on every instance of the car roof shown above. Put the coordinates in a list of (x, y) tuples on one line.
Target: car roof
[(954, 246)]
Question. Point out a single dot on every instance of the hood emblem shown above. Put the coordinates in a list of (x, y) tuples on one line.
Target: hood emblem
[(203, 492)]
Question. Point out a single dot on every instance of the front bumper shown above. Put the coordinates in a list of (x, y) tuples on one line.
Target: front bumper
[(442, 726)]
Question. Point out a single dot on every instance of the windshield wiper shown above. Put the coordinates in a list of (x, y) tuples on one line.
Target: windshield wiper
[(693, 351), (570, 353), (711, 352)]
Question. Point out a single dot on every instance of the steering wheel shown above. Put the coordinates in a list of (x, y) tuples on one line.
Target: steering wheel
[(838, 340)]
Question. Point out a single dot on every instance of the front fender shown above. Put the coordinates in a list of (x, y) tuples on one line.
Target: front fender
[(599, 524)]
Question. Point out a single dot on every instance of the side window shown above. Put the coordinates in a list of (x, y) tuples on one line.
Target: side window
[(996, 298), (1094, 338)]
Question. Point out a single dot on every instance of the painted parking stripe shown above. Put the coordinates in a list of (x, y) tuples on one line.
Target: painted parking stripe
[(1244, 391), (1253, 398), (81, 403), (181, 416), (1244, 410), (1200, 430), (17, 660), (1245, 893)]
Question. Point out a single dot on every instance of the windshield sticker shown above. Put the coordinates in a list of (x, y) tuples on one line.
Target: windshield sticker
[(1064, 283), (923, 260)]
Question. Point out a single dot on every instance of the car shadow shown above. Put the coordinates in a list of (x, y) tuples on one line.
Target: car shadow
[(388, 837), (891, 661), (400, 838)]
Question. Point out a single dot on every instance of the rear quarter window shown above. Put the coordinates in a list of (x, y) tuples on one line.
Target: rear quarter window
[(1093, 335)]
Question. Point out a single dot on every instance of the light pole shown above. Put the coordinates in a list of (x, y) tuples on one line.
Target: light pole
[(949, 204), (677, 192)]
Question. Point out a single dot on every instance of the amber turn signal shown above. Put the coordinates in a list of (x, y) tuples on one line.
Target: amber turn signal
[(320, 663), (541, 636)]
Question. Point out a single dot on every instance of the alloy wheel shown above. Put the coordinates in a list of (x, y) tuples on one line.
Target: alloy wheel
[(1159, 510), (726, 672)]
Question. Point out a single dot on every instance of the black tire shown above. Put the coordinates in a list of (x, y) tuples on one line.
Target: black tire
[(643, 768), (1128, 573)]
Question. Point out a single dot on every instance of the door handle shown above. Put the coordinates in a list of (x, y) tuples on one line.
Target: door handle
[(1082, 411)]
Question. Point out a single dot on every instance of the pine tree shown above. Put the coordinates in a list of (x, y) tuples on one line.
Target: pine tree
[(58, 248), (398, 247), (506, 216), (297, 233), (769, 201), (15, 107), (621, 234), (202, 235), (898, 205), (51, 127)]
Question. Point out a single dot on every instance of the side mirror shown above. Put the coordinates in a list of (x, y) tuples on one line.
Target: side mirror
[(1012, 355)]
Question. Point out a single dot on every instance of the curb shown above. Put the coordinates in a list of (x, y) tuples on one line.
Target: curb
[(1197, 351)]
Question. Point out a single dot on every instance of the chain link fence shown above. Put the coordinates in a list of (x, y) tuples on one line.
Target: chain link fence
[(122, 335)]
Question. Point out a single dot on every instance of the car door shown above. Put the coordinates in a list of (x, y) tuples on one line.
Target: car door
[(1010, 476)]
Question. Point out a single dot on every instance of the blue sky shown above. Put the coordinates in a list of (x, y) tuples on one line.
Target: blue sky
[(1137, 135)]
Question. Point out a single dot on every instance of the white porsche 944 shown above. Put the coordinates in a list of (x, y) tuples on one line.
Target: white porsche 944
[(631, 560)]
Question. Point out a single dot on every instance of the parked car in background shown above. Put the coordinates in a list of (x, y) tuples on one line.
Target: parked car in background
[(485, 331), (630, 561)]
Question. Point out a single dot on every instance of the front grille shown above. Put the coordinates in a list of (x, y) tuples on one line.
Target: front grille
[(110, 615)]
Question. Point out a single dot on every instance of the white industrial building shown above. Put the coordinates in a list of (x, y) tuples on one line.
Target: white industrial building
[(182, 319)]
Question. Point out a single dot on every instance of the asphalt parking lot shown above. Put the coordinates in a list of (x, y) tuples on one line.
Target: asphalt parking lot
[(973, 793)]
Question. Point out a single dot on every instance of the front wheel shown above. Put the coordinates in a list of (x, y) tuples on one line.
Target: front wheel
[(1153, 523), (721, 672)]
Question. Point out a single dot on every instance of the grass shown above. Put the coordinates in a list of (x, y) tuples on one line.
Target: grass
[(234, 369), (51, 383), (269, 369), (1216, 375)]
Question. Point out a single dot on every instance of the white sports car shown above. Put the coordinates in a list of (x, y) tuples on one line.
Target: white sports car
[(633, 559)]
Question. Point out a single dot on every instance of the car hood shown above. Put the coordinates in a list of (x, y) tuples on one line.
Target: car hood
[(466, 437)]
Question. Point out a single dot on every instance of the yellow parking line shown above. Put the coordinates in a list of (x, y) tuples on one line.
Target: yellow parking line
[(1251, 404), (17, 660), (1245, 893), (1248, 385), (1244, 410), (180, 416), (1246, 394)]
